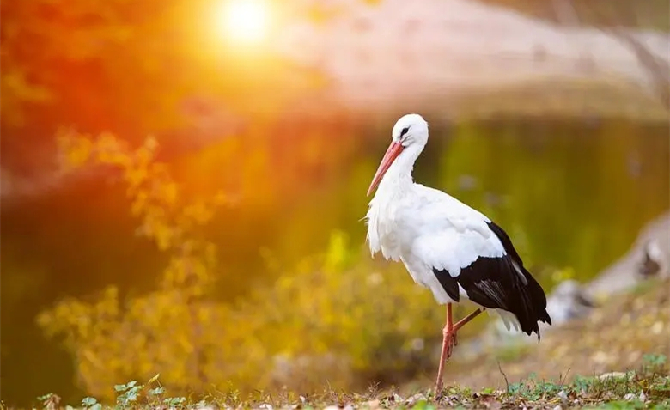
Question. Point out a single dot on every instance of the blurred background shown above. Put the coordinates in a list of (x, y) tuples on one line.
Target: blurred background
[(183, 182)]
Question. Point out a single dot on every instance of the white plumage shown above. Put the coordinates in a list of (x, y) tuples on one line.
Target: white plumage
[(446, 246), (428, 230)]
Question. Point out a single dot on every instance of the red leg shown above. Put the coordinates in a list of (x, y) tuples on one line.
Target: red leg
[(447, 347), (466, 319), (448, 341)]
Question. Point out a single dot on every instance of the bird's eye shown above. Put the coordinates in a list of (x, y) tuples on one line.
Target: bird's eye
[(404, 131)]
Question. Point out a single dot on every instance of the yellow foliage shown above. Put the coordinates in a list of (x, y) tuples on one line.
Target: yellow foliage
[(112, 340), (335, 317), (331, 321), (327, 307)]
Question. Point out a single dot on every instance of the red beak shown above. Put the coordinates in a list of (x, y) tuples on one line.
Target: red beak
[(391, 154)]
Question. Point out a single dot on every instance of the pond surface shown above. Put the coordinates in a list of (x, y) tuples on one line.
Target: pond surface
[(571, 194)]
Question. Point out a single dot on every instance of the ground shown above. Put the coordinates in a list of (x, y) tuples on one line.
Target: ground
[(615, 359), (614, 338)]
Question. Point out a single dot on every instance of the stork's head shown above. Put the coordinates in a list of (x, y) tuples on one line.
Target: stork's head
[(410, 129), (410, 133)]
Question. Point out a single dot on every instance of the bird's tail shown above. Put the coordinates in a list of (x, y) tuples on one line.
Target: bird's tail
[(536, 306)]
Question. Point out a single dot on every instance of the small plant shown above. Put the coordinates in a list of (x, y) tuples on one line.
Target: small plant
[(133, 393), (534, 390), (127, 393), (49, 400), (90, 403), (487, 390), (423, 405)]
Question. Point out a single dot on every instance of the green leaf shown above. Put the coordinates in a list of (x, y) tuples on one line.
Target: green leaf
[(173, 401), (157, 390), (88, 401)]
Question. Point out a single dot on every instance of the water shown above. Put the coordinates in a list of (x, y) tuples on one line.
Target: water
[(571, 194)]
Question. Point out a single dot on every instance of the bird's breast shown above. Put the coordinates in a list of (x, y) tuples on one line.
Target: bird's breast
[(386, 231)]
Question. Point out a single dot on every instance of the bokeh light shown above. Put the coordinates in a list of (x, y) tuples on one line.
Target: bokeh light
[(245, 22)]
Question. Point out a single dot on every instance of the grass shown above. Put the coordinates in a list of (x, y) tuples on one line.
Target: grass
[(647, 387)]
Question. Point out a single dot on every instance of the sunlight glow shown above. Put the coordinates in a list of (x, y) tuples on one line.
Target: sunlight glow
[(246, 21)]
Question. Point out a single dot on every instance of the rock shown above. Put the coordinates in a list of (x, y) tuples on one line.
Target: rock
[(563, 396), (415, 399), (643, 397), (648, 257), (568, 301)]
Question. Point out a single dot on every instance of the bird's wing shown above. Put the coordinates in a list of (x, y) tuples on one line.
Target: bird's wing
[(456, 244), (471, 255), (440, 211)]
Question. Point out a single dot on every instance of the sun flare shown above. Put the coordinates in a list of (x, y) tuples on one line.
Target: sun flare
[(246, 21)]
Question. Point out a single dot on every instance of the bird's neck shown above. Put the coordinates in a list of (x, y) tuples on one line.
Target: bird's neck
[(398, 178)]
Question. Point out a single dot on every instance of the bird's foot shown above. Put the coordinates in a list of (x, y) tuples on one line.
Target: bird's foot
[(439, 389), (451, 340), (448, 343)]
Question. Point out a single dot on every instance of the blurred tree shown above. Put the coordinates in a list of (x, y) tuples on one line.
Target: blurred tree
[(130, 69), (112, 339)]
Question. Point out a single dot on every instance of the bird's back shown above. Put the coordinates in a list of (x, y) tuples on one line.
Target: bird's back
[(395, 224), (435, 211)]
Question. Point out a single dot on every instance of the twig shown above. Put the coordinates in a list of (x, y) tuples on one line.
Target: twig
[(503, 375), (564, 377)]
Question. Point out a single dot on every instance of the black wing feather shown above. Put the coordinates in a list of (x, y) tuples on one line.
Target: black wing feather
[(501, 283)]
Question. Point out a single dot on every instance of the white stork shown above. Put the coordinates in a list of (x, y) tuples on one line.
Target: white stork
[(453, 250)]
